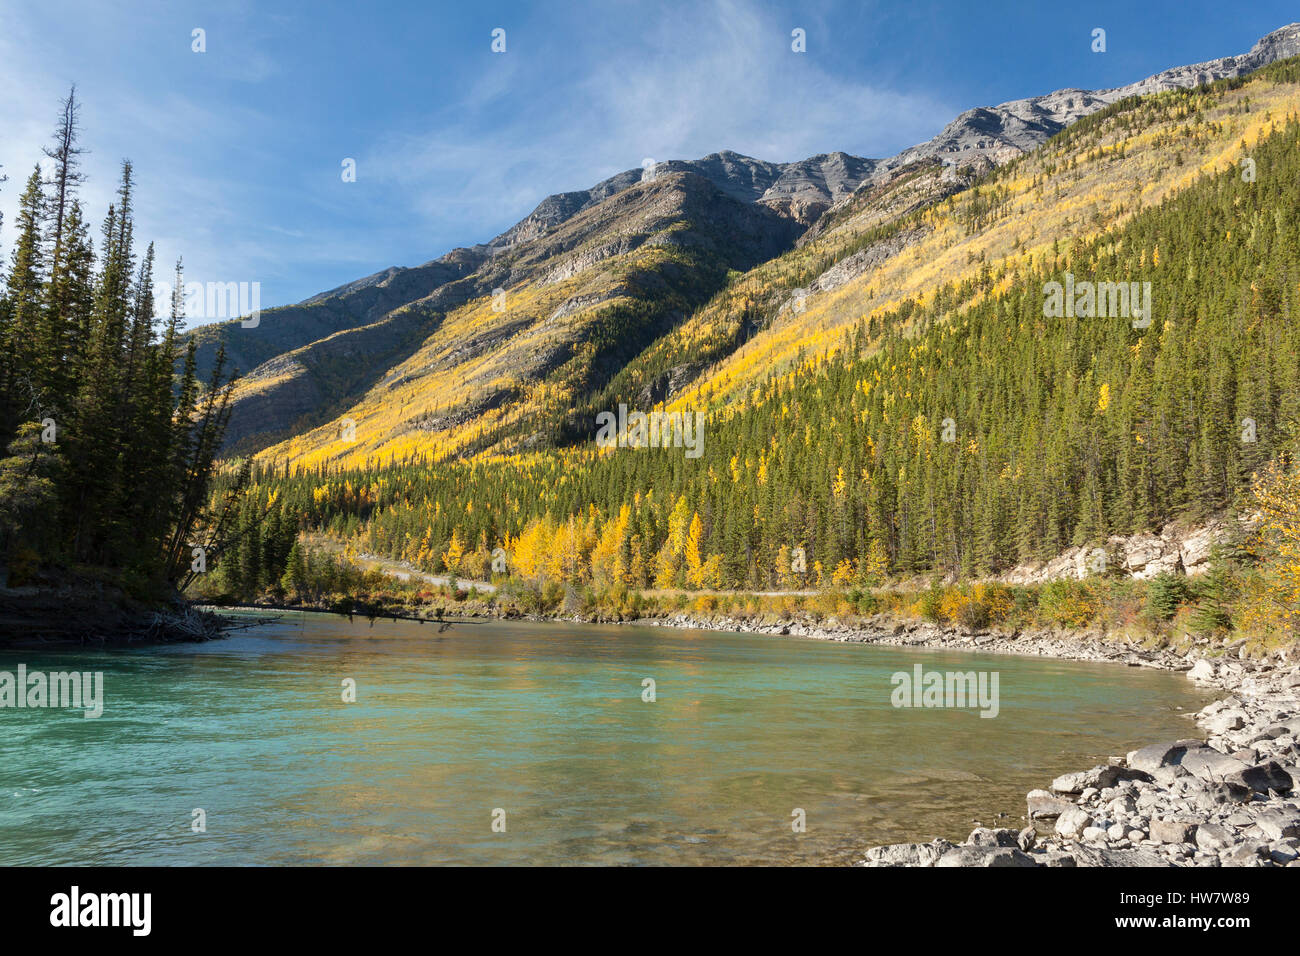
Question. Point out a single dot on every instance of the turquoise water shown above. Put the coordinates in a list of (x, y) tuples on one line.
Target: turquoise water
[(545, 722)]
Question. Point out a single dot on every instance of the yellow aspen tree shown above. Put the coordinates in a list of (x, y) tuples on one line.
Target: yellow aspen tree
[(877, 565), (783, 573), (1277, 495), (530, 549), (665, 567), (693, 559), (607, 564), (451, 558), (678, 525), (843, 573)]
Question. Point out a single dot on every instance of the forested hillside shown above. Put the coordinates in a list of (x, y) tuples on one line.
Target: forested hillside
[(510, 345), (550, 319), (484, 381), (963, 428), (583, 283)]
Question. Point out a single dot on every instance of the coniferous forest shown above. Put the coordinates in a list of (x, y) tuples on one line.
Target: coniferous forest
[(109, 437)]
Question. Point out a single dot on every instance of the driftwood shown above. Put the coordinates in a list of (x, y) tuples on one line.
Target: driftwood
[(351, 611)]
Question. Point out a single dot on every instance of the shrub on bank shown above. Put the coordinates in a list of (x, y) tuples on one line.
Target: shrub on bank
[(1222, 602), (1067, 603)]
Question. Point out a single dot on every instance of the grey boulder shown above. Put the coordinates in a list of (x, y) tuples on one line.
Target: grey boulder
[(985, 856), (1262, 778), (1151, 758)]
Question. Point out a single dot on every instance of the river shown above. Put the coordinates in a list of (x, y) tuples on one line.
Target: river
[(536, 743)]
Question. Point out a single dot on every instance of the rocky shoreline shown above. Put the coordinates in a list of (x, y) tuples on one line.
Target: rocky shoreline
[(1223, 801), (1226, 800)]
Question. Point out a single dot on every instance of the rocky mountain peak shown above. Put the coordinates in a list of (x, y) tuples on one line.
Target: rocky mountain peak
[(1000, 133)]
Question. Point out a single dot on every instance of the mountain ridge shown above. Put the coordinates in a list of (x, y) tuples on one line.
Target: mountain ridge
[(995, 133), (798, 200)]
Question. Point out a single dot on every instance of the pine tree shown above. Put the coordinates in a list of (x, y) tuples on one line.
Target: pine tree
[(22, 386), (294, 579)]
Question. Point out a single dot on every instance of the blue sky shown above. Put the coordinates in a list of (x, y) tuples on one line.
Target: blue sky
[(238, 150)]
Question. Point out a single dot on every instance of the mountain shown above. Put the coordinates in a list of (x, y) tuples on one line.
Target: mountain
[(572, 303), (898, 396), (621, 290)]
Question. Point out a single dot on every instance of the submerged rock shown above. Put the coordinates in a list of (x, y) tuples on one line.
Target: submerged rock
[(1044, 806)]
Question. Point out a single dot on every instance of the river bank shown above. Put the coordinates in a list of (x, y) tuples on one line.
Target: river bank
[(1225, 800), (1222, 800), (90, 614)]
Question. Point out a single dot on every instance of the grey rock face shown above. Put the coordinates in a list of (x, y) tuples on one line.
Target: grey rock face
[(1212, 837), (1208, 764), (1085, 855), (1225, 722), (1098, 778), (1283, 853), (800, 190), (999, 133), (1217, 795), (1244, 854), (1073, 822), (1173, 831), (986, 836), (1279, 824), (996, 134), (1055, 857), (1201, 670), (1044, 806), (1166, 776), (1289, 728)]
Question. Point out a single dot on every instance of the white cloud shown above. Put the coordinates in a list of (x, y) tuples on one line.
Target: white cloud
[(709, 77), (241, 185)]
